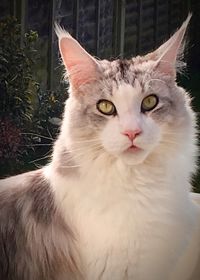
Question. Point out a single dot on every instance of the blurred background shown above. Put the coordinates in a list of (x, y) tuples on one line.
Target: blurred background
[(32, 91)]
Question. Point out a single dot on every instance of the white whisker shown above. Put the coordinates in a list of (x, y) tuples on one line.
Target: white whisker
[(169, 142), (35, 145), (77, 157), (70, 166), (37, 135), (91, 147), (35, 160), (87, 141)]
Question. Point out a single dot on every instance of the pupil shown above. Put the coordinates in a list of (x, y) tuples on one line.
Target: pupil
[(150, 100)]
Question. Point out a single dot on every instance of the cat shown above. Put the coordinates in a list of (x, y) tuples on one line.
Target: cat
[(115, 202)]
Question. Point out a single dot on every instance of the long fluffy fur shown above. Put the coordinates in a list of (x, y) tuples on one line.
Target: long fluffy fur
[(96, 211)]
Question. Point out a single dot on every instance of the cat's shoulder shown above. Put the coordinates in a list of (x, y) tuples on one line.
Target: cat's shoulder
[(35, 240), (195, 197), (23, 181), (30, 191)]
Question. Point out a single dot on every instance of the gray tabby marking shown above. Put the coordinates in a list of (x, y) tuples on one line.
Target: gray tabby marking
[(32, 234)]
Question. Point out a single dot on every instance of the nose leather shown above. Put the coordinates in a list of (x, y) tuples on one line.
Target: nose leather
[(132, 134)]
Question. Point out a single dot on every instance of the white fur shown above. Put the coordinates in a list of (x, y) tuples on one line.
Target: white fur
[(128, 101), (196, 197), (129, 221), (133, 212), (134, 216)]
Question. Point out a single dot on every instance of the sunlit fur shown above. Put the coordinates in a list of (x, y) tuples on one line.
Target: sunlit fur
[(132, 209)]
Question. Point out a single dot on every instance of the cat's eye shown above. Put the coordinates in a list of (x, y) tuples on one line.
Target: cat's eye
[(106, 107), (149, 103)]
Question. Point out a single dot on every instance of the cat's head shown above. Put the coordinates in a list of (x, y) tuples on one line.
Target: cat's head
[(129, 109)]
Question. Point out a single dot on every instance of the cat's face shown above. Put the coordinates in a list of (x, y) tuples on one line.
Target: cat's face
[(126, 108), (131, 133), (135, 130), (129, 117)]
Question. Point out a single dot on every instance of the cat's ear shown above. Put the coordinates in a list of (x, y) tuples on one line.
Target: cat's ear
[(81, 67), (169, 56)]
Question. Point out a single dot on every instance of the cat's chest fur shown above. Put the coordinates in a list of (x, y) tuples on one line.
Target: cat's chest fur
[(125, 227)]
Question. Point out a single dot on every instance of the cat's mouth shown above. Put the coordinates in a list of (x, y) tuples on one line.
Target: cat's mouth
[(133, 149)]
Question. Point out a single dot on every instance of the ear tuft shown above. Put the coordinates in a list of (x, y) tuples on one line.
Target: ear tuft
[(81, 67), (169, 56), (61, 32)]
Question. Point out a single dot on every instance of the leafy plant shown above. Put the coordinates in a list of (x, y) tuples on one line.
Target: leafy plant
[(17, 90), (46, 122)]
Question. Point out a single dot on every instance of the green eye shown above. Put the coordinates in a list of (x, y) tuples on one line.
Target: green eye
[(149, 103), (106, 107)]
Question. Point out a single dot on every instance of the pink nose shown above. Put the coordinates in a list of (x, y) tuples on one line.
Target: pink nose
[(132, 134)]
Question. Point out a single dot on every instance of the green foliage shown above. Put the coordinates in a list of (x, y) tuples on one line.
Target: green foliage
[(49, 111), (16, 80), (17, 90), (46, 123), (29, 116)]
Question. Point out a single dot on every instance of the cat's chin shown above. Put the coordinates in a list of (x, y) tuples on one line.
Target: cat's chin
[(135, 157)]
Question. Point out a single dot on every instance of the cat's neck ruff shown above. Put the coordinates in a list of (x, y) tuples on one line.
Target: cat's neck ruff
[(111, 203), (155, 174)]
